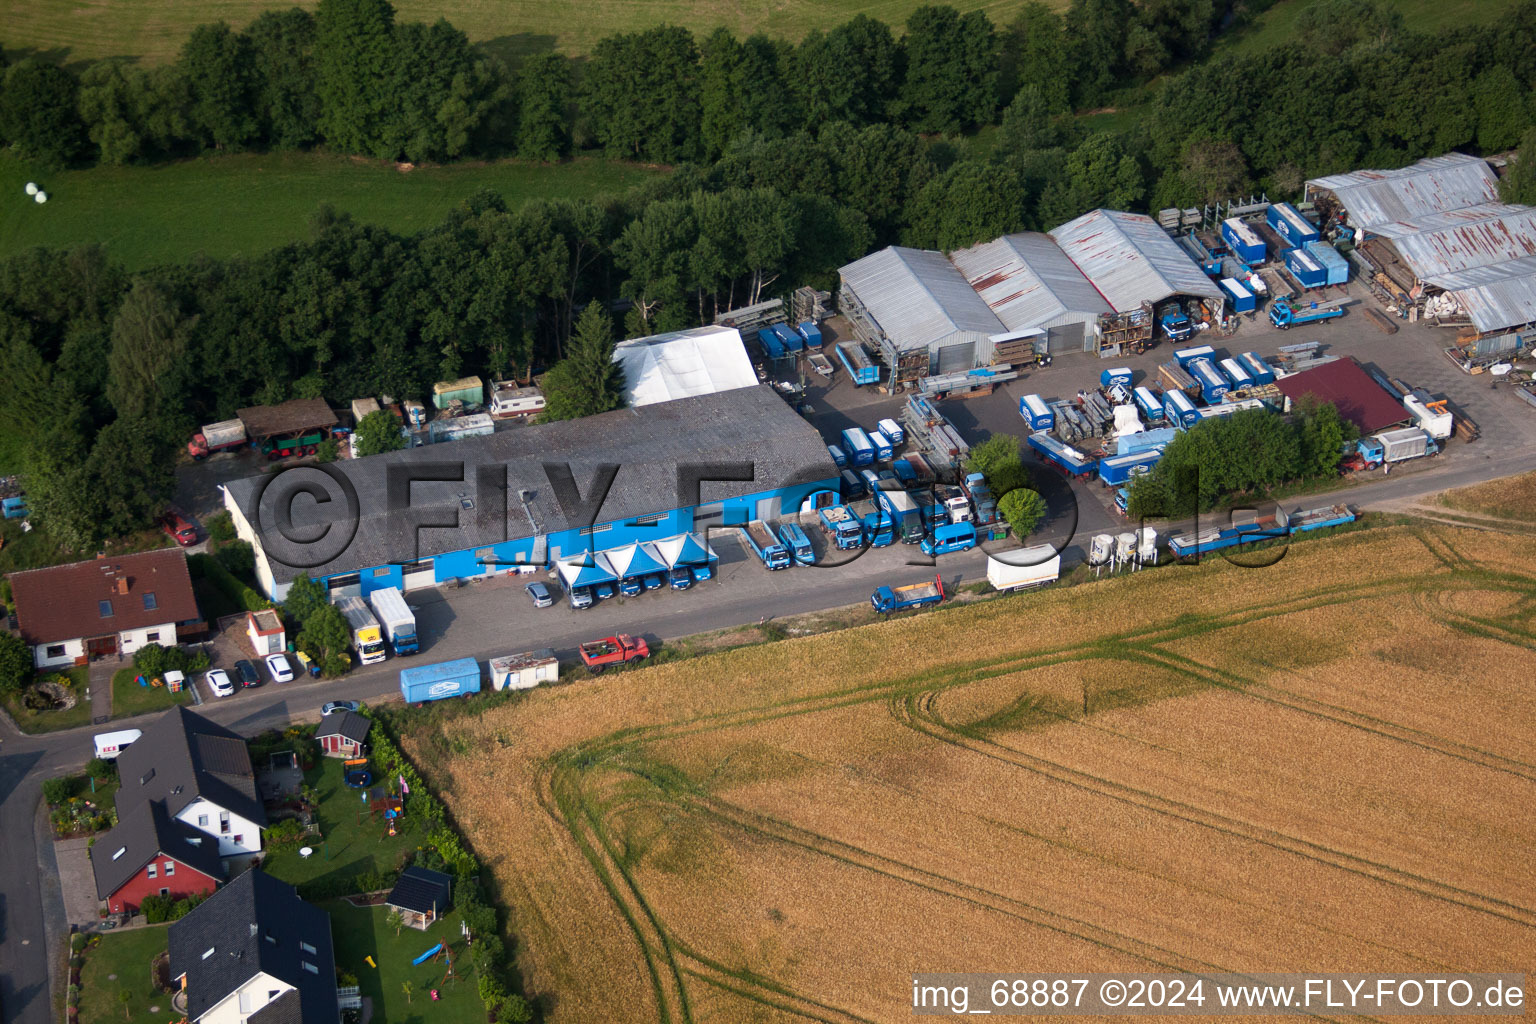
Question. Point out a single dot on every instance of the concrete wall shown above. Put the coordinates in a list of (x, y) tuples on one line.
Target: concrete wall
[(73, 651)]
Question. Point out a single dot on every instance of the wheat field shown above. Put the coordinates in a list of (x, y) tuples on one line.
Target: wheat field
[(1326, 765)]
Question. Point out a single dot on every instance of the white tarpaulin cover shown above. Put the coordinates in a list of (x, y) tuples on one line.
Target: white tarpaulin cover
[(699, 361), (1126, 420)]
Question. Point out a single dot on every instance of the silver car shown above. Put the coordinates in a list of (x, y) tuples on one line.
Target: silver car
[(220, 683), (540, 595)]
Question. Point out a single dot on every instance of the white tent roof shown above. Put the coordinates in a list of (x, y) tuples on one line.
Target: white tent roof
[(700, 361)]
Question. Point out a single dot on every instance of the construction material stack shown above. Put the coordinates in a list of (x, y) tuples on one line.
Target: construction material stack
[(934, 435)]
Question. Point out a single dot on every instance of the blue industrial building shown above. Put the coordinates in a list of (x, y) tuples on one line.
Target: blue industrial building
[(524, 496)]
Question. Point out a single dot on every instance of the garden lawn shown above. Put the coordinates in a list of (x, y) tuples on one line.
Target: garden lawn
[(129, 698), (349, 847), (127, 955), (34, 548), (52, 721), (246, 204), (359, 932)]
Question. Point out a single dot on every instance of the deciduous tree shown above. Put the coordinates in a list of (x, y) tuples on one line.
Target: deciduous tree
[(1022, 509), (38, 112), (378, 432)]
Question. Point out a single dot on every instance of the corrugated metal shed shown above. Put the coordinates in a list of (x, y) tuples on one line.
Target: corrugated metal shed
[(1027, 281), (1461, 239), (1433, 185), (1496, 297), (919, 299), (1130, 259)]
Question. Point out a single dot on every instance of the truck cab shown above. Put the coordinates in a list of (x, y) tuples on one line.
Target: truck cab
[(580, 597), (1176, 325)]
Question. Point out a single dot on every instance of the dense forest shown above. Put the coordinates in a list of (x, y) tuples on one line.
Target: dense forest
[(788, 161)]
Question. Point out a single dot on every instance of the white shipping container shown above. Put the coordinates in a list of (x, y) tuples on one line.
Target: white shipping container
[(524, 671), (1026, 567), (1438, 425)]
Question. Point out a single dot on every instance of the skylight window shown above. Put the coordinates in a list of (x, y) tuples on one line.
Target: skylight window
[(149, 602), (105, 607)]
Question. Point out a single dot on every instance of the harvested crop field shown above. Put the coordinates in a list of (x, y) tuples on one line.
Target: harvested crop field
[(1327, 765), (1512, 497)]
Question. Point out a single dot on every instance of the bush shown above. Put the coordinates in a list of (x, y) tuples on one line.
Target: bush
[(242, 595), (60, 790), (220, 526), (159, 909), (287, 832), (238, 557), (100, 768)]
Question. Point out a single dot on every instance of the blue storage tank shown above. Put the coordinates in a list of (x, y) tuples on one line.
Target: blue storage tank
[(1118, 375), (1331, 259), (1258, 369), (811, 333), (1234, 372), (773, 348), (1186, 355), (1244, 241), (1238, 296), (1115, 470), (1036, 413), (1149, 403), (1180, 410), (1290, 225), (1213, 386), (789, 337), (1306, 268)]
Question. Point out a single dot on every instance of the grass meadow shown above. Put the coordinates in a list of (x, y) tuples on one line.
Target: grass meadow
[(1189, 768), (246, 204)]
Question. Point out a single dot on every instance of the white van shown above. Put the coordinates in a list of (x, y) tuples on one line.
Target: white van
[(110, 744)]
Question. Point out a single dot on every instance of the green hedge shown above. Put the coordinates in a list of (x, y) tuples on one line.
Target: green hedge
[(208, 567)]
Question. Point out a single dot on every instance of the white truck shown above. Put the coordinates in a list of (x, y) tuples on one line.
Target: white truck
[(524, 671), (110, 744), (1024, 568), (367, 634), (398, 620), (1431, 416)]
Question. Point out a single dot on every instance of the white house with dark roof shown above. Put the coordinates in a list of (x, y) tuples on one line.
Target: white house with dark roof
[(202, 773), (255, 953)]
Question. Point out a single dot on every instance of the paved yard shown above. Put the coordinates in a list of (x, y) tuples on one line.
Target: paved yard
[(77, 881)]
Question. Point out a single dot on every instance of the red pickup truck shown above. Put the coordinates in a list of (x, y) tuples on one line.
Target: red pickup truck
[(614, 650)]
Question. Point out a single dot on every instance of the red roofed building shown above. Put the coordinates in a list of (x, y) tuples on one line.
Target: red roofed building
[(1358, 398), (72, 613)]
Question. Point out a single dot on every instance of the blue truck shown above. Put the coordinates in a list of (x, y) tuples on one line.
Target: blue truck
[(892, 431), (765, 545), (904, 515), (457, 678), (860, 449), (1285, 316), (799, 545), (1149, 403), (857, 362), (917, 595), (1116, 470), (1176, 325), (882, 446), (974, 486), (949, 538), (841, 527), (932, 509), (875, 523), (839, 456)]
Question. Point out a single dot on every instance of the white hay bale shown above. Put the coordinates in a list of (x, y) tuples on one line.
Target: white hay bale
[(41, 197), (32, 189)]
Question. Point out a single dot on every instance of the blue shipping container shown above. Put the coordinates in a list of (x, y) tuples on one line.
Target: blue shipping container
[(772, 347), (1151, 406), (1234, 372), (1306, 268), (811, 333), (790, 338), (1333, 262), (1213, 386), (1118, 375), (1115, 470), (1238, 296), (1180, 410), (437, 682), (1245, 242), (1187, 355), (838, 455), (861, 452), (1290, 225), (1036, 413), (1140, 441), (882, 446), (1257, 368)]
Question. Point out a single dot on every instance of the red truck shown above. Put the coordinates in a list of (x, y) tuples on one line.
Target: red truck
[(614, 650), (178, 528)]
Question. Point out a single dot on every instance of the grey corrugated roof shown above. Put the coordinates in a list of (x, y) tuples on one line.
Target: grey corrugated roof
[(1026, 280), (1496, 297), (349, 724), (183, 755), (1130, 259), (254, 925), (648, 446), (148, 833), (918, 297), (1433, 185), (1460, 239)]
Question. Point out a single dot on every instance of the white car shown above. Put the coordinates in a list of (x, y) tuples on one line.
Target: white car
[(220, 683), (278, 666)]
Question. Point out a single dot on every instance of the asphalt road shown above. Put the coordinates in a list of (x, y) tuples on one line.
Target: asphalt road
[(494, 617)]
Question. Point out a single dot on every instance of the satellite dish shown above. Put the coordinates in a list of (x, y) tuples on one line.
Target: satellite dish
[(41, 197), (31, 188)]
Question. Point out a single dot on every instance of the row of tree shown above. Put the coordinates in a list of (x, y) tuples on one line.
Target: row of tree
[(351, 78)]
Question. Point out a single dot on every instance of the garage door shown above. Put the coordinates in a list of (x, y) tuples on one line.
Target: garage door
[(418, 575), (957, 358), (768, 508), (1066, 338)]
